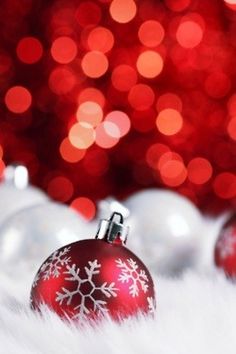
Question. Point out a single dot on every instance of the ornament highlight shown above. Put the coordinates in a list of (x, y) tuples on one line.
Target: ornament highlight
[(225, 248), (166, 230), (90, 279)]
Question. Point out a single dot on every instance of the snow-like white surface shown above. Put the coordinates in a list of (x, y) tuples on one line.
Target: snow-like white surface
[(195, 314)]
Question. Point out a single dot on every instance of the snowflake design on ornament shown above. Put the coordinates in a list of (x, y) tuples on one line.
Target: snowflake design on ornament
[(131, 273), (52, 267), (85, 287), (227, 243), (36, 279), (151, 305)]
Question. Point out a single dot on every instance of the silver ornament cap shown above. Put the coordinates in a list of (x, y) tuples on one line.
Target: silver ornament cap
[(113, 229)]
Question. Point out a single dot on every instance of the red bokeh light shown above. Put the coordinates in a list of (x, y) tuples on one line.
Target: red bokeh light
[(82, 135), (60, 188), (107, 135), (88, 13), (141, 97), (177, 5), (90, 112), (94, 64), (92, 94), (173, 173), (151, 33), (154, 153), (64, 50), (199, 170), (62, 80), (225, 185), (123, 11), (69, 153), (167, 157), (189, 34), (29, 50), (100, 39), (121, 120), (169, 100), (124, 77), (85, 207), (169, 121), (149, 64), (18, 99)]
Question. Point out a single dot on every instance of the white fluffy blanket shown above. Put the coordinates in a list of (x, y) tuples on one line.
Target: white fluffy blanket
[(195, 314)]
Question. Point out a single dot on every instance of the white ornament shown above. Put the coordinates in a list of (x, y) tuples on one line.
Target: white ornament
[(27, 237), (165, 230), (99, 306), (16, 193)]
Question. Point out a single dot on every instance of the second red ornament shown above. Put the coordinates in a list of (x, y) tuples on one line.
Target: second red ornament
[(225, 250)]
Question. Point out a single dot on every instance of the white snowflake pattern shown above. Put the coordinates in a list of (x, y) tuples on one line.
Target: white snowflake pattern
[(130, 273), (227, 243), (151, 305), (85, 288), (53, 266)]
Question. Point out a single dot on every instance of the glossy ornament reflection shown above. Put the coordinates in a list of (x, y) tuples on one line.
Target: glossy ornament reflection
[(167, 229)]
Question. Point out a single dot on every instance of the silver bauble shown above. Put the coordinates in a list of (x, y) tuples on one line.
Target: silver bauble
[(165, 230), (30, 235)]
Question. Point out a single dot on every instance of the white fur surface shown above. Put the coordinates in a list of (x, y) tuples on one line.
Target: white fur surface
[(195, 314)]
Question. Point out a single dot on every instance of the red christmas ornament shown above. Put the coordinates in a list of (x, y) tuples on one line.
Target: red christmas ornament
[(92, 278), (225, 250)]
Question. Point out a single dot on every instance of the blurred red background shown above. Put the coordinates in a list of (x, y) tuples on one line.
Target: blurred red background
[(109, 97)]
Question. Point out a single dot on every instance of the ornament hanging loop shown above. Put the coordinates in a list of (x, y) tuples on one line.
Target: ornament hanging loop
[(113, 216), (112, 229)]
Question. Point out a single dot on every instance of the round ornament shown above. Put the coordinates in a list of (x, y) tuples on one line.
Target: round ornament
[(90, 279), (225, 248), (167, 229), (16, 193), (28, 236)]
